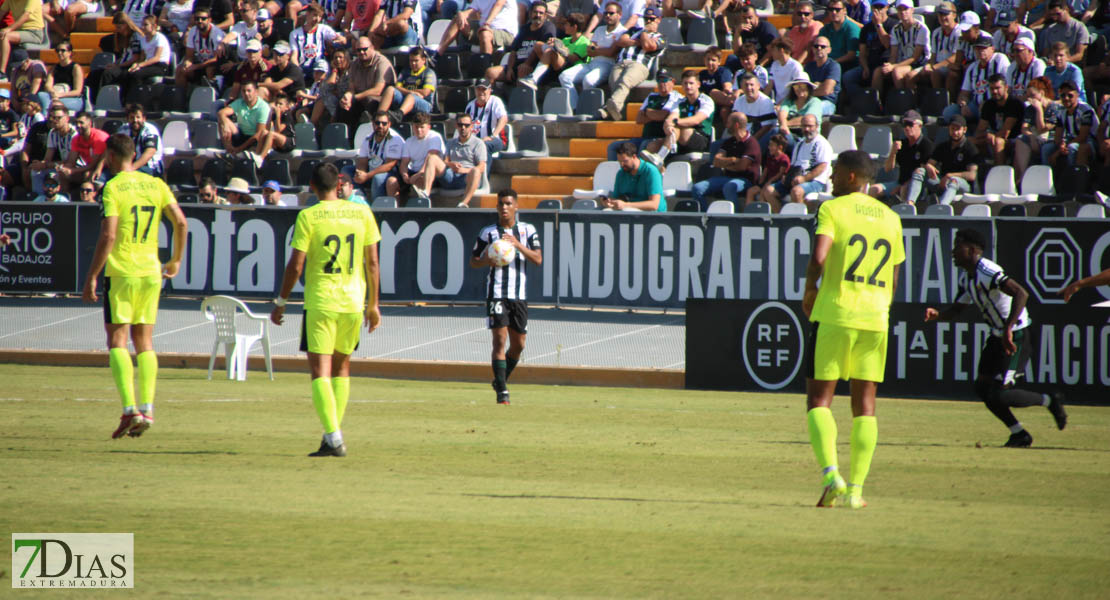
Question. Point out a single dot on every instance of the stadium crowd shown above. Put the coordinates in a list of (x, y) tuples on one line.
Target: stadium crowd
[(415, 98)]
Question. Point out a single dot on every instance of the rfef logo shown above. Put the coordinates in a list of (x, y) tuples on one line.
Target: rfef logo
[(73, 560), (772, 345)]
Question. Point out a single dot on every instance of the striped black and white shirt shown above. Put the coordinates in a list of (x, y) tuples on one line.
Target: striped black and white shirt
[(332, 7), (1018, 80), (637, 54), (907, 40), (486, 117), (1104, 119), (311, 45), (147, 137), (204, 46), (975, 79), (944, 44), (984, 290), (396, 7), (137, 9), (511, 281), (1071, 123), (61, 143)]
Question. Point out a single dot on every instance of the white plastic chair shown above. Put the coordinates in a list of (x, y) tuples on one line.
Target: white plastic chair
[(176, 137), (435, 33), (223, 312), (1000, 180), (842, 138), (976, 210), (1091, 211), (720, 207), (364, 131), (1037, 180), (877, 142), (605, 176), (794, 208), (677, 178)]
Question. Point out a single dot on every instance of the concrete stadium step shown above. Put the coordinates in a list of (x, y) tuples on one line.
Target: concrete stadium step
[(523, 201), (94, 24), (556, 185), (50, 56), (548, 166), (86, 41), (618, 130), (589, 148)]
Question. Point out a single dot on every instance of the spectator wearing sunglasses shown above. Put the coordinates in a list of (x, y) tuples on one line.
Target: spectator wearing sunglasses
[(378, 156), (804, 31), (87, 193)]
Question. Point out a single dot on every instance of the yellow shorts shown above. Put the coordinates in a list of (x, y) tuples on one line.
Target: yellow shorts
[(131, 300), (837, 352), (326, 332)]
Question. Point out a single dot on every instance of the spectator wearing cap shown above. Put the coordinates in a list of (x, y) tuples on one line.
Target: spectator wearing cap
[(410, 170), (659, 105), (203, 43), (308, 98), (28, 27), (238, 191), (335, 85), (348, 192), (804, 30), (638, 185), (811, 166), (147, 140), (689, 128), (312, 39), (602, 51), (1025, 68), (1060, 70), (909, 50), (1061, 27), (521, 55), (825, 75), (280, 131), (1075, 126), (490, 119), (952, 168), (397, 23), (843, 35), (760, 110), (245, 122), (556, 55), (378, 156), (269, 34), (640, 52), (906, 155), (783, 69), (371, 73), (463, 165), (999, 121), (1005, 37), (735, 166), (970, 30), (415, 89), (27, 77), (974, 92), (51, 189), (942, 69), (285, 76), (254, 68), (271, 194)]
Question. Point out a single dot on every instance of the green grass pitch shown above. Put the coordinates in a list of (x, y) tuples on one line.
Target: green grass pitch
[(571, 492)]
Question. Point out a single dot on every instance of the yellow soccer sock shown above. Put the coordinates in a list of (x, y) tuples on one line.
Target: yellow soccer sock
[(822, 436), (148, 376), (123, 372), (323, 398), (865, 435), (341, 387)]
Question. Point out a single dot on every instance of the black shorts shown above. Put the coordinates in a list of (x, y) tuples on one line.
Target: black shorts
[(995, 364), (289, 145), (238, 139), (507, 313), (698, 142)]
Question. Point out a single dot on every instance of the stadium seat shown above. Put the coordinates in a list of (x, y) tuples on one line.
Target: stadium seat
[(175, 138), (107, 100), (938, 210), (1073, 180), (585, 204), (522, 101), (101, 60), (678, 179), (1000, 180), (877, 142), (448, 68), (435, 33), (532, 143), (206, 136), (172, 99), (276, 169), (550, 204), (842, 138), (418, 202), (456, 100), (364, 131), (686, 205), (143, 95), (1052, 210), (932, 102), (905, 209), (671, 30), (188, 198), (180, 173), (203, 103), (865, 102), (976, 210), (217, 169), (403, 129), (605, 175), (1091, 211), (246, 169), (701, 34), (556, 103), (898, 102), (1038, 180), (721, 207), (284, 26), (794, 208), (304, 171), (305, 140), (384, 202), (224, 312), (1012, 210), (589, 102), (335, 137), (290, 200), (343, 163), (758, 208)]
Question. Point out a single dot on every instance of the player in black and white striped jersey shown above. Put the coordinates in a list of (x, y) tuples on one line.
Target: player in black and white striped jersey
[(506, 296)]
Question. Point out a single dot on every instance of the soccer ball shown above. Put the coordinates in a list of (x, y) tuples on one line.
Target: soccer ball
[(501, 253)]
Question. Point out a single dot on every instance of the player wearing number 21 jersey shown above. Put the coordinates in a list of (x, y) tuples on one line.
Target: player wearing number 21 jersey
[(335, 246), (857, 253)]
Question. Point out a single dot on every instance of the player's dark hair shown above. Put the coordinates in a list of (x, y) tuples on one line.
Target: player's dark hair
[(971, 237), (858, 162), (689, 74), (713, 51), (325, 178), (507, 193), (418, 51), (135, 108), (579, 21), (628, 149), (1067, 86), (120, 145), (422, 118)]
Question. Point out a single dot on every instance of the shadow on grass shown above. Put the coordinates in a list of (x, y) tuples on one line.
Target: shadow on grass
[(957, 445), (595, 498)]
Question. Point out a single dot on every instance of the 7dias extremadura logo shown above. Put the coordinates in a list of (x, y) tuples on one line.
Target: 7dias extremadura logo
[(73, 560)]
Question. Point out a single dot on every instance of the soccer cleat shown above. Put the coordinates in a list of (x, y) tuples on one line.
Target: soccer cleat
[(126, 423), (1021, 439), (835, 489), (855, 502), (503, 397), (328, 450), (143, 425), (1056, 407)]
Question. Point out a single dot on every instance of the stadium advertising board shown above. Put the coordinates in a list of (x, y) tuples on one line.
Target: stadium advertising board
[(42, 255), (755, 345)]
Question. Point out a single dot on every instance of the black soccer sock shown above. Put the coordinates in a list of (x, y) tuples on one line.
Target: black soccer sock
[(1020, 398), (988, 392), (510, 364), (499, 375)]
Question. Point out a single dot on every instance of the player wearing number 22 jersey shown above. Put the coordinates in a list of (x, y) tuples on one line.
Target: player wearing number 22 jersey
[(335, 246), (857, 253)]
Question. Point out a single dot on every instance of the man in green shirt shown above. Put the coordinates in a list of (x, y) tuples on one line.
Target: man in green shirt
[(843, 35), (251, 114), (638, 185), (558, 54)]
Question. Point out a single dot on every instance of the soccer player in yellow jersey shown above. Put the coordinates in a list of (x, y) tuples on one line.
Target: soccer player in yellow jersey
[(857, 253), (335, 245), (127, 250)]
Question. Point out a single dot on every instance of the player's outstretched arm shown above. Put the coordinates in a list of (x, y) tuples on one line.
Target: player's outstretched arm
[(104, 245), (293, 271), (373, 277), (1102, 278), (180, 236), (950, 313)]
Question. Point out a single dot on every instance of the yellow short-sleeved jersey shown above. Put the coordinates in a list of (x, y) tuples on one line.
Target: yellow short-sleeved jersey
[(333, 235), (857, 286), (137, 199)]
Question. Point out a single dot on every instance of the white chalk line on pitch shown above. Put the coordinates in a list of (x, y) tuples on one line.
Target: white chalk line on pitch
[(428, 343), (51, 324), (181, 329), (610, 338)]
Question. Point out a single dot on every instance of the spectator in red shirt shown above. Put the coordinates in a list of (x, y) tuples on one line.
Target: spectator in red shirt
[(86, 157)]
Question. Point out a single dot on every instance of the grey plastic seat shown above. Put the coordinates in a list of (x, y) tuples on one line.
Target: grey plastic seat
[(550, 204), (522, 101), (671, 30), (108, 99), (905, 209), (384, 202), (202, 103), (557, 104), (305, 136), (532, 143), (701, 35), (335, 137), (758, 208), (939, 210), (206, 136), (589, 102), (585, 204), (418, 202)]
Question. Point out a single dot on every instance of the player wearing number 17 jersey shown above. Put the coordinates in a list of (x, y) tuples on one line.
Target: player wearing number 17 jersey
[(857, 253), (506, 297), (133, 205), (335, 246)]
